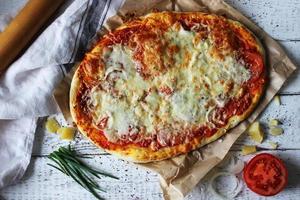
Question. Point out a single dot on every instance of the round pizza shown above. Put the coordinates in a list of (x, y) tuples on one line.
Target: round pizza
[(167, 83)]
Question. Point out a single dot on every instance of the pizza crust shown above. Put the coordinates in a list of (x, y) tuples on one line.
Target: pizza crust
[(135, 153)]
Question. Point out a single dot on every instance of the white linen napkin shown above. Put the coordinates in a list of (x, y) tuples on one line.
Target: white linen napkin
[(26, 87)]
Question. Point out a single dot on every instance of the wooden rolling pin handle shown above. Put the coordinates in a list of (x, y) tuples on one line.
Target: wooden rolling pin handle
[(23, 28)]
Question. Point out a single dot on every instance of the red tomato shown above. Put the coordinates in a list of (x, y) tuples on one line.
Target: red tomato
[(255, 62), (265, 174)]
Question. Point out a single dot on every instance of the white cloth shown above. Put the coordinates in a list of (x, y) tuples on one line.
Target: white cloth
[(26, 87)]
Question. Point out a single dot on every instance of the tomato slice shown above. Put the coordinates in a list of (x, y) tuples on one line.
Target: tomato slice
[(256, 63), (265, 174)]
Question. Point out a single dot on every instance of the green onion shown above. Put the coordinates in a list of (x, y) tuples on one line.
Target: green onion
[(68, 163)]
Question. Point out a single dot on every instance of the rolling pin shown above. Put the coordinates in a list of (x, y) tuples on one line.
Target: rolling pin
[(23, 28)]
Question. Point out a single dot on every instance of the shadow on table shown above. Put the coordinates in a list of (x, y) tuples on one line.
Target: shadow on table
[(29, 170), (39, 136)]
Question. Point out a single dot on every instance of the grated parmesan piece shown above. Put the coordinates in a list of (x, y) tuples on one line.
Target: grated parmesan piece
[(52, 125), (276, 131), (66, 133), (273, 145), (277, 100), (273, 122), (255, 132), (248, 149)]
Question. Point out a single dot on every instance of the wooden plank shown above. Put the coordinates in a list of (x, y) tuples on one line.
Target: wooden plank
[(292, 48), (288, 113), (44, 182), (278, 18)]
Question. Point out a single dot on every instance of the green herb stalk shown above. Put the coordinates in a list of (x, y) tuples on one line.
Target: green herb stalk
[(68, 163)]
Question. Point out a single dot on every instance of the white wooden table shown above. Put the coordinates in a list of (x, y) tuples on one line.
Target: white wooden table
[(281, 19)]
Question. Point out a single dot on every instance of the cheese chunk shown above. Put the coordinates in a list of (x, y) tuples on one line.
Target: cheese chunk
[(273, 145), (273, 122), (52, 125), (66, 133), (255, 132), (248, 149), (276, 131), (277, 100)]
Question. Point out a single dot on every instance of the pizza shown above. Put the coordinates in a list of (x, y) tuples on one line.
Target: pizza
[(167, 83)]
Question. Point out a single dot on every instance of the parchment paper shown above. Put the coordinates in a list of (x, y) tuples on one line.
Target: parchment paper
[(180, 175)]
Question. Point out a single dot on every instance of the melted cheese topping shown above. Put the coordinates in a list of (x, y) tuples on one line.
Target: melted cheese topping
[(191, 83)]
